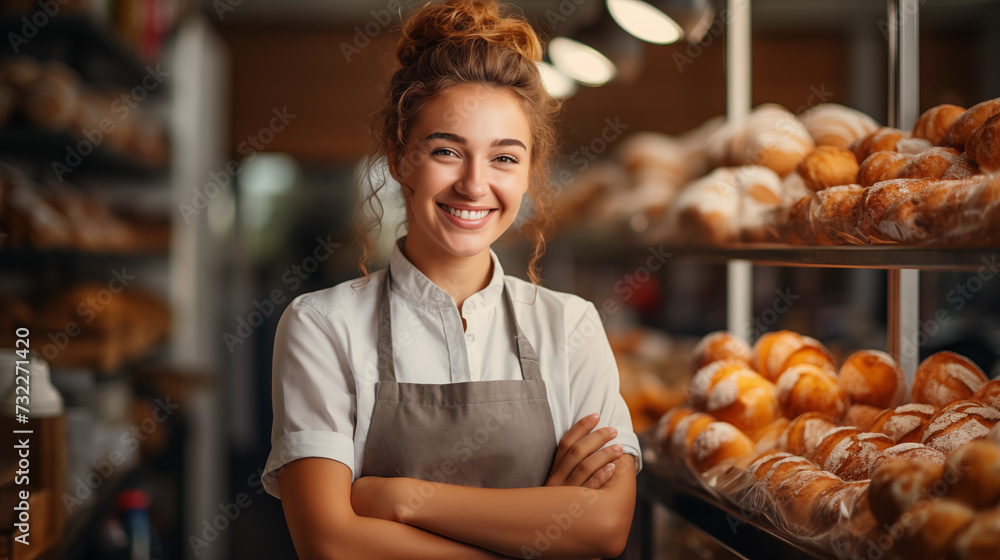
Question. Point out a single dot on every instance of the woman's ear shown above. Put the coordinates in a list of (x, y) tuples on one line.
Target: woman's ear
[(392, 161)]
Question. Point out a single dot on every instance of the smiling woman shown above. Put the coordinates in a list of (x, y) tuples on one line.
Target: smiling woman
[(439, 408)]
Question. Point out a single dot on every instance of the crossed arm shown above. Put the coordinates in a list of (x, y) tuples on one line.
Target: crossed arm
[(584, 510)]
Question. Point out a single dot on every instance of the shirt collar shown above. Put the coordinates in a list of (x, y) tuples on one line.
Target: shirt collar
[(419, 291)]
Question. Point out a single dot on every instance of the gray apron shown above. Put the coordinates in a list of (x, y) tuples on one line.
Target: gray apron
[(493, 434)]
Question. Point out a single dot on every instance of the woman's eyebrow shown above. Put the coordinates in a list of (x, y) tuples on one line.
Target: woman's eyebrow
[(452, 137), (509, 142)]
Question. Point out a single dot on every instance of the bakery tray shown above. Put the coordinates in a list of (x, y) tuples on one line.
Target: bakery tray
[(747, 536)]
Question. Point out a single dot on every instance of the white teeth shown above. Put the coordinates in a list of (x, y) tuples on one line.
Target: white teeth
[(466, 215)]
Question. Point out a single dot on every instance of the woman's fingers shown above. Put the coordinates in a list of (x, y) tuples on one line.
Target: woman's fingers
[(601, 477), (593, 465), (578, 455), (579, 430)]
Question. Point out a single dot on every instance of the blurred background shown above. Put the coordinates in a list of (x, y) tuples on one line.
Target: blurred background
[(173, 173)]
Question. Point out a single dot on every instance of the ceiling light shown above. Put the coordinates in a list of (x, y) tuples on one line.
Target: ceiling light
[(663, 21), (558, 84), (580, 62)]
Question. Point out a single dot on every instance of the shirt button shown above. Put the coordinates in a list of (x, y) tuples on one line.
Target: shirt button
[(470, 337)]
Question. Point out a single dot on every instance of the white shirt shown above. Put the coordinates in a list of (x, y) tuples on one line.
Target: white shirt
[(325, 357)]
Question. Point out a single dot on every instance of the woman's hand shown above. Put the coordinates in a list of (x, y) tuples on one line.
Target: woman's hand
[(579, 459), (378, 498)]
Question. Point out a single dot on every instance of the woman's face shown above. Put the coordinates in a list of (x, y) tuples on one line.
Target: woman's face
[(465, 169)]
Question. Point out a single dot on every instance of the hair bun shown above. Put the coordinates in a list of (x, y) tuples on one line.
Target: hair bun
[(460, 22)]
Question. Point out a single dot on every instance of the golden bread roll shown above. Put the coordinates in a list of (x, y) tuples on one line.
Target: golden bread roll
[(980, 540), (989, 394), (903, 452), (959, 423), (780, 470), (873, 377), (773, 138), (983, 146), (769, 437), (905, 423), (969, 121), (685, 432), (962, 168), (882, 139), (835, 504), (912, 146), (744, 399), (797, 495), (934, 123), (807, 388), (930, 164), (898, 486), (657, 156), (930, 527), (812, 352), (762, 464), (760, 191), (831, 124), (973, 474), (706, 377), (805, 432), (665, 427), (945, 377), (854, 457), (828, 167), (772, 350), (830, 440), (707, 211), (826, 218), (720, 345), (862, 416), (718, 443), (882, 166)]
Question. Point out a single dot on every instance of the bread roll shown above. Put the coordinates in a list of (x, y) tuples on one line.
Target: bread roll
[(718, 443), (983, 146), (882, 166), (989, 394), (905, 423), (762, 464), (685, 432), (973, 474), (784, 468), (962, 168), (959, 423), (969, 121), (930, 527), (805, 432), (881, 139), (897, 486), (873, 377), (706, 377), (812, 352), (744, 399), (665, 427), (910, 452), (772, 350), (797, 496), (706, 212), (836, 504), (830, 124), (826, 218), (829, 441), (827, 167), (912, 146), (807, 388), (946, 377), (720, 345), (760, 196), (855, 456), (774, 138), (980, 540), (934, 123), (862, 416), (770, 436)]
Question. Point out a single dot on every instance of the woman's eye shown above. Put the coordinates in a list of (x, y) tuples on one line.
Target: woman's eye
[(443, 152), (506, 159)]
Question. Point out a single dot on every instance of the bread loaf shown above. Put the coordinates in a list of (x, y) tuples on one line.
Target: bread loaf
[(665, 427), (706, 212), (770, 436), (830, 441), (716, 444), (989, 394), (930, 527), (805, 432), (881, 139), (762, 464), (873, 377), (946, 377), (980, 540), (744, 399), (720, 345), (836, 504), (830, 124), (706, 377), (904, 452), (827, 218), (784, 468), (862, 416), (983, 145), (969, 121), (812, 352), (905, 423), (882, 166), (897, 486), (959, 423), (685, 432), (855, 456), (774, 138), (973, 474), (797, 496), (828, 166), (807, 388), (772, 350), (934, 123)]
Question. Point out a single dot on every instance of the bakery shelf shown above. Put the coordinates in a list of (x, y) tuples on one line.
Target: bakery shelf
[(47, 147), (747, 537), (14, 257), (87, 45)]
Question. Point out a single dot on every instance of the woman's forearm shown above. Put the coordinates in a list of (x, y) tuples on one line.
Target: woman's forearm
[(549, 522)]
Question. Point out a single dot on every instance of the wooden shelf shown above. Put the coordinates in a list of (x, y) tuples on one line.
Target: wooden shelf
[(46, 147)]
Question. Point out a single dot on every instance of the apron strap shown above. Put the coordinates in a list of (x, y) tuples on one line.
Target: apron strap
[(530, 369)]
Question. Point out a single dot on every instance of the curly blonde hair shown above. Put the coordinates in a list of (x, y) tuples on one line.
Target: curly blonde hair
[(464, 42)]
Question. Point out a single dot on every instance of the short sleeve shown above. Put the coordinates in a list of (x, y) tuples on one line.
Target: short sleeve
[(594, 381), (313, 393)]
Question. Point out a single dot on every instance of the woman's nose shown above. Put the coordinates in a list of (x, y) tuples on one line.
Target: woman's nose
[(473, 182)]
